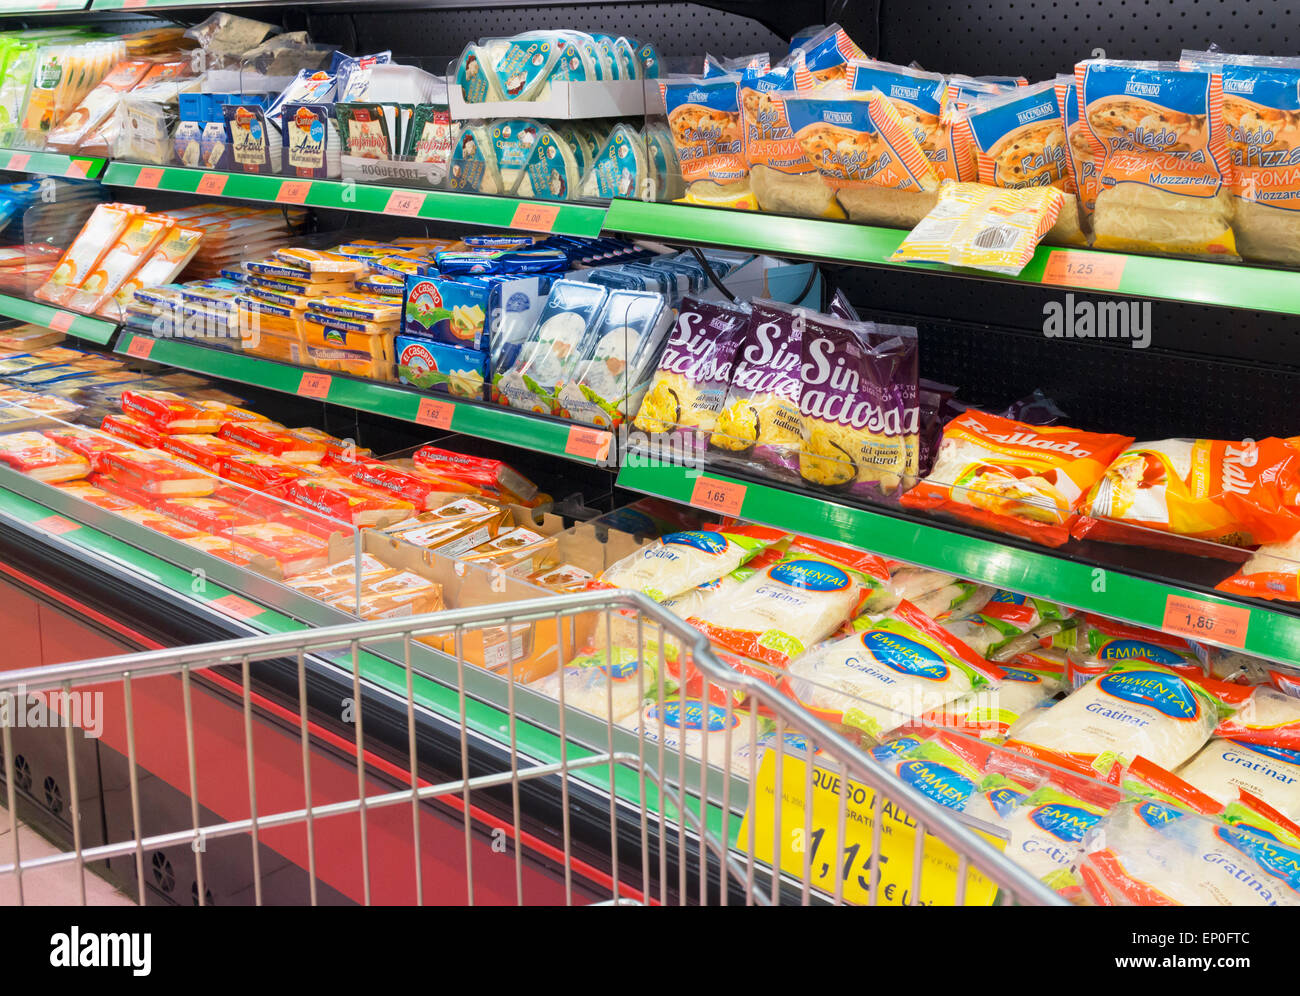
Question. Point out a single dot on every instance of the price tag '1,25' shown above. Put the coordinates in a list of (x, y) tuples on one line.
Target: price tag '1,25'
[(1198, 619), (1084, 269), (294, 192), (590, 444), (535, 217), (437, 414), (141, 346), (314, 385), (405, 203), (149, 177), (726, 497), (212, 184)]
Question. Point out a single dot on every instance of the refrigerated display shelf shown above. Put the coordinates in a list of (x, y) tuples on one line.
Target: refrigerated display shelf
[(1222, 285), (346, 195), (95, 330), (484, 421), (52, 164), (8, 7), (1250, 627)]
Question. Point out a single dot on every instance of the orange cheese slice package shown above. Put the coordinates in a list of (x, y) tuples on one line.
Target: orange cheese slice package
[(133, 496), (160, 523), (208, 515), (347, 501), (493, 477), (169, 412), (92, 495), (94, 240), (226, 549), (157, 472), (294, 551), (207, 451), (44, 459), (87, 443), (1025, 480), (132, 429), (422, 490), (267, 474), (274, 439)]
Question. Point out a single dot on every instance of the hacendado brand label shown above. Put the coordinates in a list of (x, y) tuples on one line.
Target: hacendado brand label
[(1129, 650), (691, 716), (1016, 674), (1155, 815), (1004, 800), (620, 670), (710, 543), (939, 782), (809, 575), (1165, 693), (904, 655), (1064, 822)]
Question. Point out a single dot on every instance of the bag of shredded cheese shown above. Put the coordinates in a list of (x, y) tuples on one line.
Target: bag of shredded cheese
[(1012, 477), (804, 598), (1224, 768), (700, 728), (1136, 708), (874, 681), (1164, 172), (1097, 644), (1272, 572), (678, 562), (919, 98), (989, 713), (1269, 717), (782, 178), (612, 682)]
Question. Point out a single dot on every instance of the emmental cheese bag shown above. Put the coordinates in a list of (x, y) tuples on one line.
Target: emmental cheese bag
[(1163, 164), (1016, 478), (1133, 709), (679, 562)]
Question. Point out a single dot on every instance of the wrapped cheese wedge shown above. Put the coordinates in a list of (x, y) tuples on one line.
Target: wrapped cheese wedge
[(157, 472), (44, 459)]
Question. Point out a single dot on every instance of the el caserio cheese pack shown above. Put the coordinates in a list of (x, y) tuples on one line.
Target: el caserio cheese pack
[(1012, 477)]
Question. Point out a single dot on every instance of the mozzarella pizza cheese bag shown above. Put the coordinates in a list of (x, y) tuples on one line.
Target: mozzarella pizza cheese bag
[(1133, 709), (797, 602), (902, 667), (1165, 175), (780, 174), (1012, 477), (919, 98), (678, 562)]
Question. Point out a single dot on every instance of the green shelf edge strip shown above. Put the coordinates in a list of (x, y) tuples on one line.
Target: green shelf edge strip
[(485, 422), (52, 163), (1191, 281), (49, 7), (1104, 591), (481, 718), (82, 326), (342, 195)]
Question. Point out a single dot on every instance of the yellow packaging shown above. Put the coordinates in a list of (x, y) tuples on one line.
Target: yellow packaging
[(323, 265), (268, 345), (358, 354), (987, 228)]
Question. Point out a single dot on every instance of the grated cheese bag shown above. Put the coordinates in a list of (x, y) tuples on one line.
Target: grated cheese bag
[(1047, 829), (1268, 717), (990, 712), (801, 600), (823, 60), (696, 727), (903, 666), (612, 683), (1097, 643), (1080, 157), (1164, 171), (1238, 493), (986, 228), (1133, 709), (784, 181), (1012, 477), (1012, 614), (678, 562), (1224, 768), (1272, 572), (919, 98)]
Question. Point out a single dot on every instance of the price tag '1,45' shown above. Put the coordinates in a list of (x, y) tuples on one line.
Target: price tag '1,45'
[(1198, 619), (726, 497), (405, 203), (314, 385)]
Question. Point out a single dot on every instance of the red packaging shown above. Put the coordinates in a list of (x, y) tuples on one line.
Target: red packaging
[(340, 454), (295, 551), (267, 474), (132, 429), (225, 549), (422, 491), (87, 443), (160, 523), (92, 495), (274, 440), (36, 456), (203, 450), (157, 472), (346, 501), (491, 476), (168, 412), (134, 497), (208, 515)]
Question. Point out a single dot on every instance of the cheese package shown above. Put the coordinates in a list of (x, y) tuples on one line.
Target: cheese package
[(340, 578), (295, 551), (801, 600), (492, 477), (1225, 768), (92, 495), (1238, 493), (1013, 615), (168, 412), (874, 681), (701, 729), (346, 501), (1164, 170), (403, 593), (1269, 717), (141, 236), (226, 549), (865, 152), (919, 99), (26, 338), (704, 118), (1021, 479), (322, 267), (615, 682), (86, 443), (1097, 643), (208, 515), (1272, 572), (562, 579), (822, 59), (1133, 709), (274, 440), (267, 474), (207, 451), (990, 712), (44, 459), (681, 561), (94, 240), (1146, 853), (156, 472), (412, 485), (454, 537), (338, 451), (163, 265), (160, 523)]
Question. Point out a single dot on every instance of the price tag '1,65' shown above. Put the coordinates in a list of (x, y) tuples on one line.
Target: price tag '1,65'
[(1198, 619), (726, 497)]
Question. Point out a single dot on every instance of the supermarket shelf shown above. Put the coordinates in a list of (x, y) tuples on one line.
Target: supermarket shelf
[(1086, 586), (345, 195), (94, 330), (395, 401), (52, 163), (1222, 285)]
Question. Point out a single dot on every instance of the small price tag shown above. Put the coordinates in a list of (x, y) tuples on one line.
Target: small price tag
[(61, 321), (48, 5), (141, 346), (212, 184), (56, 524), (315, 385), (535, 217), (436, 414), (132, 4), (149, 177), (294, 192), (725, 497), (233, 605), (79, 168), (19, 160), (405, 203), (590, 444), (1198, 619), (1084, 269)]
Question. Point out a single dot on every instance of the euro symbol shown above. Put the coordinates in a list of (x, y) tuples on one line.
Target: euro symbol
[(889, 892)]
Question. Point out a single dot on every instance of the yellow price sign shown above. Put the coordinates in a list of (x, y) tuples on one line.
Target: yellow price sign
[(824, 852)]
